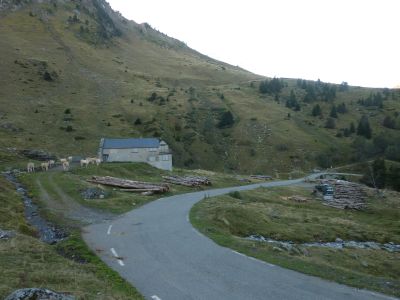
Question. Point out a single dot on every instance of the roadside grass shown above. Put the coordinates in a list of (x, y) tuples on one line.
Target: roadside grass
[(27, 262), (74, 182), (229, 219)]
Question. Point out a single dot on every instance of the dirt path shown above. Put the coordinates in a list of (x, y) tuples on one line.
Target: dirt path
[(65, 205)]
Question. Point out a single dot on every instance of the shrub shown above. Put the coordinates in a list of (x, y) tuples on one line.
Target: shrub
[(235, 195), (226, 120)]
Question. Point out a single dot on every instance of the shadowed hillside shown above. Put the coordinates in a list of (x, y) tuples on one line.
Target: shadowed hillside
[(74, 71)]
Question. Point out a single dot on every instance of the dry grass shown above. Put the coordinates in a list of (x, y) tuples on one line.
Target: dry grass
[(269, 212)]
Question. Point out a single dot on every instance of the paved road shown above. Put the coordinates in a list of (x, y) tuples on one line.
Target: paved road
[(157, 250)]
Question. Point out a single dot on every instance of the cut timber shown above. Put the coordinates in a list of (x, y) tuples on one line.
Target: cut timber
[(348, 195), (139, 190), (131, 185), (190, 181), (261, 177)]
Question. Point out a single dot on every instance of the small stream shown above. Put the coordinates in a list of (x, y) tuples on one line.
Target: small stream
[(48, 232), (337, 244)]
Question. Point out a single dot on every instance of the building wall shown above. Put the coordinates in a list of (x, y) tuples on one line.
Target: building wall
[(151, 156)]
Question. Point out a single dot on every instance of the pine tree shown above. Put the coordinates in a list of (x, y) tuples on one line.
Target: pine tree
[(352, 128), (342, 108), (330, 123), (333, 113), (316, 111), (364, 129), (226, 120)]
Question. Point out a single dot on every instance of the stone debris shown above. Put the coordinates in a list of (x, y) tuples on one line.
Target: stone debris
[(48, 232), (337, 244), (94, 193), (38, 294)]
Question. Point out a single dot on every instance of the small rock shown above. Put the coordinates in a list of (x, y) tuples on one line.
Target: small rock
[(277, 249), (286, 246), (364, 263), (4, 235), (305, 251), (37, 294), (372, 245), (295, 250), (351, 244)]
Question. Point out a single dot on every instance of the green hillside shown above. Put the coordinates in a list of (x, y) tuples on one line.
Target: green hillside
[(74, 71)]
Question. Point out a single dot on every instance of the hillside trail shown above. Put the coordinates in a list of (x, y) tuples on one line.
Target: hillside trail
[(65, 205)]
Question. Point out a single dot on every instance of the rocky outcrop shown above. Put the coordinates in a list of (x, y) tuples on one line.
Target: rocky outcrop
[(37, 154), (38, 294)]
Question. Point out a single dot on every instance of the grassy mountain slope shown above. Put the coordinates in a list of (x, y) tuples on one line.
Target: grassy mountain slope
[(75, 71)]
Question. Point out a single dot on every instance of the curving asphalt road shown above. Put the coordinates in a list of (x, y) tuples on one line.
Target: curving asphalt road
[(158, 251)]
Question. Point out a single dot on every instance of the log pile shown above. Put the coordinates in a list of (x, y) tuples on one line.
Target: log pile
[(347, 195), (127, 185), (261, 177), (191, 181)]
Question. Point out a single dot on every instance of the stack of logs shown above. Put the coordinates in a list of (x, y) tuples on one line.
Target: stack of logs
[(347, 195), (126, 185), (191, 181), (261, 177)]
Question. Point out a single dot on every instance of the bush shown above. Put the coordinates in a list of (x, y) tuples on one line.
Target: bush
[(330, 123), (235, 195), (226, 120), (282, 147)]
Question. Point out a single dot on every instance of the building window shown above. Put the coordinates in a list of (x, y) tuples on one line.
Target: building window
[(153, 149), (164, 157)]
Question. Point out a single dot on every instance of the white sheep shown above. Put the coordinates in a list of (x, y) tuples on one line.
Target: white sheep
[(45, 166), (30, 167), (84, 162), (65, 165), (51, 163), (62, 160), (70, 158), (91, 160), (98, 161)]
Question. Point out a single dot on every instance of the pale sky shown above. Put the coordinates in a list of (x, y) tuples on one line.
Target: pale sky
[(334, 40)]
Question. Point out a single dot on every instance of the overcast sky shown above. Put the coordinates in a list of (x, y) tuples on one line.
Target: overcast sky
[(335, 40)]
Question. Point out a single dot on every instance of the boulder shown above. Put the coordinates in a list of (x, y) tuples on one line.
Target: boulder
[(38, 294)]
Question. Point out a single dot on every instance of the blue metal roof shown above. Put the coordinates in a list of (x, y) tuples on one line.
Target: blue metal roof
[(130, 143)]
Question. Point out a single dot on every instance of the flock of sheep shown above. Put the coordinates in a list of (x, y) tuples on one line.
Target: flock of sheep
[(64, 162)]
